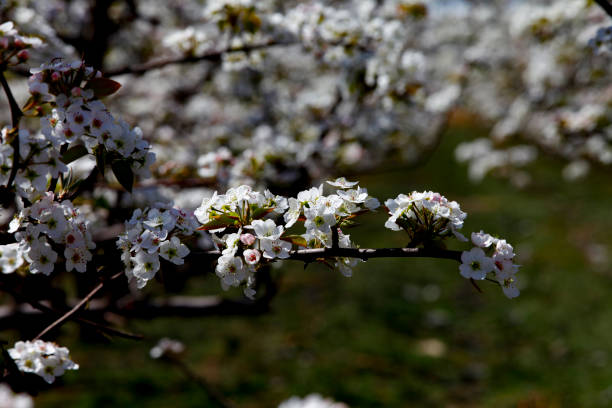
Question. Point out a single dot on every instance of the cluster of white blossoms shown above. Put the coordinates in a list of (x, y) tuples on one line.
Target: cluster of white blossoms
[(311, 401), (45, 220), (424, 216), (491, 255), (8, 399), (42, 358), (251, 229), (259, 234), (76, 123), (151, 234), (78, 116), (14, 46)]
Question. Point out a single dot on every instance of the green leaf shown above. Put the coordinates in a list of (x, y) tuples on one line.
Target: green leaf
[(260, 212), (74, 153), (124, 173), (222, 221), (103, 86), (296, 240)]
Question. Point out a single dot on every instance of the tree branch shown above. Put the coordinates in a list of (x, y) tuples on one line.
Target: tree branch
[(72, 311), (214, 56), (310, 255)]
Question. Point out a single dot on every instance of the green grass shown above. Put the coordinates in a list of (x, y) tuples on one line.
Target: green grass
[(401, 332)]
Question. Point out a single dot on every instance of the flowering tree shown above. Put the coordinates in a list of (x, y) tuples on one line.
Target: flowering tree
[(265, 100)]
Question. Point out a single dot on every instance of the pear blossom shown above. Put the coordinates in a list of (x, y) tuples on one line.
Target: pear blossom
[(251, 256), (45, 359), (174, 251), (475, 264)]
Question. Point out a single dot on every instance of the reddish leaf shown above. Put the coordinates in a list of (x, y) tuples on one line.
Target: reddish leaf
[(103, 86)]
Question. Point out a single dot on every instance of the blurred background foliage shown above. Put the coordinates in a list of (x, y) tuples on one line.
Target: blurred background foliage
[(400, 332)]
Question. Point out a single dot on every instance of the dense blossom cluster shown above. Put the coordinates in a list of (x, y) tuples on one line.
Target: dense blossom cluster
[(45, 359), (76, 119), (256, 238), (77, 115), (151, 234), (428, 217), (62, 224), (425, 215), (491, 255)]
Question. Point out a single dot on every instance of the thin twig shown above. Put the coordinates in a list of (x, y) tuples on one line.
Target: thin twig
[(212, 393), (45, 309), (72, 311), (215, 56)]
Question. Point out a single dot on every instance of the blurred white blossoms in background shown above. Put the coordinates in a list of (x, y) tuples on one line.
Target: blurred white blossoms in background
[(8, 399), (42, 358), (166, 347), (311, 401)]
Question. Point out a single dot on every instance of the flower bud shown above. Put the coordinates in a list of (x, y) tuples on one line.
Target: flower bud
[(23, 55), (19, 43), (247, 239)]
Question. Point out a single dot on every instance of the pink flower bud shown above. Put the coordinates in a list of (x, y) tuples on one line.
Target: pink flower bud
[(56, 76), (247, 239), (19, 43), (251, 256), (23, 55), (76, 91)]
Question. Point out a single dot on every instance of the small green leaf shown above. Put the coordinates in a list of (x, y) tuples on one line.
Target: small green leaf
[(260, 212), (222, 221), (124, 173), (296, 240), (74, 153), (103, 86)]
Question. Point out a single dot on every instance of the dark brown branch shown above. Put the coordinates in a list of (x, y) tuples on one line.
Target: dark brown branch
[(214, 56), (607, 7), (16, 115), (72, 311), (310, 255)]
